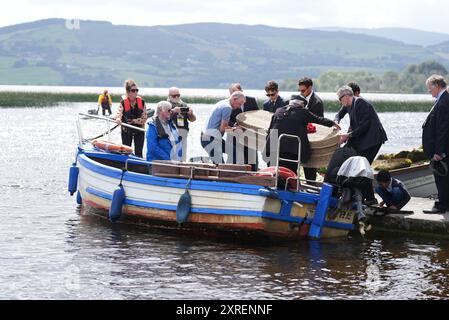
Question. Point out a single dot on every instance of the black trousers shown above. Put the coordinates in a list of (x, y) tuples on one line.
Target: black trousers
[(310, 173), (442, 184), (246, 155), (139, 138), (370, 154), (106, 107)]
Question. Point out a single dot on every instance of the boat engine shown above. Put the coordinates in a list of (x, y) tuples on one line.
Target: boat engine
[(353, 178)]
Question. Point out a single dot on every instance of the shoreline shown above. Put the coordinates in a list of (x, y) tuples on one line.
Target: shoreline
[(21, 99)]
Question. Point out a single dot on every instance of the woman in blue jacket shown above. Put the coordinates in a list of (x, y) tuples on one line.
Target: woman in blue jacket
[(163, 140)]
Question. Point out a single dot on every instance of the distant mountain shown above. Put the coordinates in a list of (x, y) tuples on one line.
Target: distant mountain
[(405, 35), (208, 55)]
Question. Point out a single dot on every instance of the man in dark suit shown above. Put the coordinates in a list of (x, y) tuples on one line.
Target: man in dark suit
[(314, 105), (435, 139), (366, 133), (292, 120), (343, 110), (274, 101), (250, 105)]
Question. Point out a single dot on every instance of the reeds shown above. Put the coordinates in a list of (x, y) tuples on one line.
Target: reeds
[(46, 99)]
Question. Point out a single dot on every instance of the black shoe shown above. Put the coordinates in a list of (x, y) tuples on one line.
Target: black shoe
[(435, 210)]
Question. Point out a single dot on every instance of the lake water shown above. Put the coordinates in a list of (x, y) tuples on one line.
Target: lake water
[(51, 249)]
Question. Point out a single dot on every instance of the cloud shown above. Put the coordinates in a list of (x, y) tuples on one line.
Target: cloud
[(429, 15)]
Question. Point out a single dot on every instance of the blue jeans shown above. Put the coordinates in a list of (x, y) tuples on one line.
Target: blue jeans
[(393, 198), (214, 147)]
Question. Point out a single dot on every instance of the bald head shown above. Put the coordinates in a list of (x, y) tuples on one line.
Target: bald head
[(235, 87), (174, 95)]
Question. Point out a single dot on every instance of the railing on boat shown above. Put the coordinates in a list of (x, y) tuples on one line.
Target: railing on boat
[(107, 120)]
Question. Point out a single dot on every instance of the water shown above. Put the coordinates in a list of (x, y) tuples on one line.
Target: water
[(50, 249)]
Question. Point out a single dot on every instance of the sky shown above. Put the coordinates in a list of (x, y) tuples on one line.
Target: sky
[(429, 15)]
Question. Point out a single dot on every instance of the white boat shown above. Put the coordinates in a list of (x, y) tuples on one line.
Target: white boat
[(217, 205)]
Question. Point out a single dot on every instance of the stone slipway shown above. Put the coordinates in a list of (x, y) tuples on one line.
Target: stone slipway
[(416, 223)]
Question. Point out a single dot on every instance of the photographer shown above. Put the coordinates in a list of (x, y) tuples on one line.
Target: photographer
[(181, 115)]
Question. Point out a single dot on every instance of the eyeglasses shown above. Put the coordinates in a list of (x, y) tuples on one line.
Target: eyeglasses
[(271, 94), (339, 99), (175, 95), (134, 90)]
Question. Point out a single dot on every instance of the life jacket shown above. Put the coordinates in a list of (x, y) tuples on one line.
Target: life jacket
[(132, 113), (127, 104), (105, 99)]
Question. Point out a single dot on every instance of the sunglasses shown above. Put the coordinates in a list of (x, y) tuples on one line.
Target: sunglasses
[(175, 95), (134, 90), (271, 94), (342, 97)]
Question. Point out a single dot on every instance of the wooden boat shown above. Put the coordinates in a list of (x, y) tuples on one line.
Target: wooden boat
[(226, 200), (323, 143)]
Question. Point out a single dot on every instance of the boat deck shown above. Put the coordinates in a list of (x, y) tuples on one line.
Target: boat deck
[(436, 225)]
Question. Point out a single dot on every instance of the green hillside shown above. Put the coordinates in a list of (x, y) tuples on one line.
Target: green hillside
[(406, 35), (208, 55)]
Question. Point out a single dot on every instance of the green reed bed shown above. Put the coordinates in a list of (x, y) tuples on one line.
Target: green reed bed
[(387, 106), (44, 99)]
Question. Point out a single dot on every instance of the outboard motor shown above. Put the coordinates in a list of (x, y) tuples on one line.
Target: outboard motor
[(354, 176)]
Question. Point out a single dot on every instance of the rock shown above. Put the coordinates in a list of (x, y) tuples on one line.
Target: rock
[(393, 164)]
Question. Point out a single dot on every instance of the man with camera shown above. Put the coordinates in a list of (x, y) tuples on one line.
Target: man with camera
[(181, 115)]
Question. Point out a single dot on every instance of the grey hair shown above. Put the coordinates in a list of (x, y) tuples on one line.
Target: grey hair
[(234, 87), (296, 103), (162, 106), (436, 80), (345, 91), (237, 95)]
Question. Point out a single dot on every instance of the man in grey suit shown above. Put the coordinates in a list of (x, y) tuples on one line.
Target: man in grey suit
[(435, 140), (366, 133)]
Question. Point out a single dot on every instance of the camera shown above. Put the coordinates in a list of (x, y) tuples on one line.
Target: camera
[(184, 110)]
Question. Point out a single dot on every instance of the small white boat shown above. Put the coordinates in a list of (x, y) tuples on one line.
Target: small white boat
[(419, 180)]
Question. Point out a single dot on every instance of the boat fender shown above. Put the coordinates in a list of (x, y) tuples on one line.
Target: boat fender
[(184, 204), (79, 199), (118, 197), (183, 208), (73, 179)]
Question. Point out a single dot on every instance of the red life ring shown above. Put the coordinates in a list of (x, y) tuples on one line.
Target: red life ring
[(284, 173), (112, 147)]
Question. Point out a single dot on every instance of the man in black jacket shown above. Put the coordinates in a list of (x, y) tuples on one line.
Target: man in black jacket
[(292, 120), (249, 156), (435, 138), (343, 110), (274, 101), (366, 133), (250, 104), (314, 105)]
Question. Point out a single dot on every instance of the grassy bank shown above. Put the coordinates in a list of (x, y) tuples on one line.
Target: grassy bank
[(43, 99)]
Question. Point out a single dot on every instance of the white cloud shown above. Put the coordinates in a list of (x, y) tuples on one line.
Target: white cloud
[(426, 15)]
